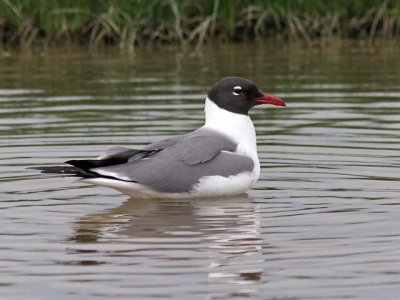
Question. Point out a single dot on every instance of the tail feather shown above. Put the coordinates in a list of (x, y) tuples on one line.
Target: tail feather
[(84, 168), (66, 170)]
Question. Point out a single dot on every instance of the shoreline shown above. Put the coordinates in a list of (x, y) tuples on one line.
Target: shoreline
[(130, 24), (324, 45)]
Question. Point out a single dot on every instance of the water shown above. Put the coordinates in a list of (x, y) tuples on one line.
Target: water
[(321, 223)]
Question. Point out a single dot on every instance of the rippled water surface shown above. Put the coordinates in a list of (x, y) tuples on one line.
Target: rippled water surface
[(323, 221)]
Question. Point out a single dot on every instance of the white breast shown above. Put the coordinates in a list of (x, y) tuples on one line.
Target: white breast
[(240, 129)]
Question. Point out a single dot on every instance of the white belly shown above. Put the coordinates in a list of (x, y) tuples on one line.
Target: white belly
[(208, 186)]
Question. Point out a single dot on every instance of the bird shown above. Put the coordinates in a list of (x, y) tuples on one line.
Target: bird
[(218, 159)]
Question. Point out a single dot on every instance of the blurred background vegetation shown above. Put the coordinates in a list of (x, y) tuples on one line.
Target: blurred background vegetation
[(128, 23)]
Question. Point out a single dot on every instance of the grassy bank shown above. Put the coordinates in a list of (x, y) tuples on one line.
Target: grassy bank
[(127, 23)]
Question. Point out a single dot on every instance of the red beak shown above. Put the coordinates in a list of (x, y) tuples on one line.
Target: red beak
[(270, 99)]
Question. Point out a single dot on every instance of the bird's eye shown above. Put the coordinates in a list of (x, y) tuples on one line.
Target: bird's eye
[(237, 90)]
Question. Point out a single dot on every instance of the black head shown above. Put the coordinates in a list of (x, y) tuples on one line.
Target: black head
[(239, 95)]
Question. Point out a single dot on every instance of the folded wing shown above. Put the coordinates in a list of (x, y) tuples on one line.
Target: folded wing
[(173, 165)]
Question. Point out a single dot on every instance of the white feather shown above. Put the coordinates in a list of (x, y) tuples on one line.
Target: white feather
[(238, 127)]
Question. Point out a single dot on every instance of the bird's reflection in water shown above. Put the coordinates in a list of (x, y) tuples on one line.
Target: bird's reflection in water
[(219, 237)]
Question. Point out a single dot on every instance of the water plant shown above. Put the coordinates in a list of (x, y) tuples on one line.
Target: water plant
[(129, 23)]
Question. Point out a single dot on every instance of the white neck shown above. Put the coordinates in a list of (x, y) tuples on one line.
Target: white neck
[(238, 127)]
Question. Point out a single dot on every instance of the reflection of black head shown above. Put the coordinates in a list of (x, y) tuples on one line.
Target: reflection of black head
[(235, 94)]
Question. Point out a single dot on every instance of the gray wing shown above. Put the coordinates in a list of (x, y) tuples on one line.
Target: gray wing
[(196, 147), (180, 165), (114, 151)]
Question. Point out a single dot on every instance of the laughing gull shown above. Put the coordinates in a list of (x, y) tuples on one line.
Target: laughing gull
[(218, 159)]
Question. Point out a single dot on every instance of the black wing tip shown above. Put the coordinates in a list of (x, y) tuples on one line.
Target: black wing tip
[(72, 162), (84, 164), (111, 160)]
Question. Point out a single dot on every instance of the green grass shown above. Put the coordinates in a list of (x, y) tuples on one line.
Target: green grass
[(127, 23)]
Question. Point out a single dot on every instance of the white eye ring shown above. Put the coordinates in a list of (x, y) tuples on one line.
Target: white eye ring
[(237, 90)]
